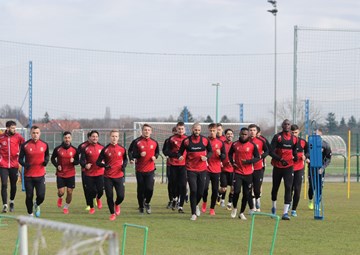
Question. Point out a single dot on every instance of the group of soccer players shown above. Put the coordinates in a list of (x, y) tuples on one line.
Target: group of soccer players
[(193, 160)]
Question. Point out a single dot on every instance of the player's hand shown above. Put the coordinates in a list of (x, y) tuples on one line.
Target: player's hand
[(153, 158), (88, 166), (307, 160), (221, 164), (132, 161), (284, 162), (321, 170), (143, 154), (71, 160), (303, 157), (181, 158), (218, 152), (203, 158), (59, 168)]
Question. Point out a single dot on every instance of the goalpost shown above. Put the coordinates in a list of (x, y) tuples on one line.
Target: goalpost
[(65, 238), (162, 130)]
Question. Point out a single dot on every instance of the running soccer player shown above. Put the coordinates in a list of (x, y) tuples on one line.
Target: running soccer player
[(34, 156), (165, 149), (65, 157), (143, 151), (10, 143), (177, 167), (79, 149), (219, 132), (114, 159), (284, 154), (198, 150), (94, 175), (299, 166), (227, 172), (213, 169), (259, 166), (242, 155)]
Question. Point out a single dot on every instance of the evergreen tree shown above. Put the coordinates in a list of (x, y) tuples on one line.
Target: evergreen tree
[(182, 117), (46, 118), (208, 119), (352, 122), (331, 122), (224, 119)]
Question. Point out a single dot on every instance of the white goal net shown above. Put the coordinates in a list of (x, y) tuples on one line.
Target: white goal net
[(39, 236)]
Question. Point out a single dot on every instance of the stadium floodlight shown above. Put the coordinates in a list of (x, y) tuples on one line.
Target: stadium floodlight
[(217, 101), (274, 12)]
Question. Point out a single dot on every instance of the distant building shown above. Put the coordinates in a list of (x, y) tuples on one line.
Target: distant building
[(59, 125)]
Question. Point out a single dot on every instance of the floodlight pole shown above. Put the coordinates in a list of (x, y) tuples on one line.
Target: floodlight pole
[(274, 12), (217, 101)]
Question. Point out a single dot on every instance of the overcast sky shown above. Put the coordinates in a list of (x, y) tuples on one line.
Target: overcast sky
[(171, 26), (177, 26)]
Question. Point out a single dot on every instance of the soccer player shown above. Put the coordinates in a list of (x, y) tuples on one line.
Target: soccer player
[(242, 155), (34, 156), (65, 157), (80, 148), (94, 175), (10, 143), (227, 172), (198, 150), (168, 173), (177, 167), (213, 168), (219, 132), (283, 153), (143, 151), (326, 159), (259, 166), (114, 159), (303, 154)]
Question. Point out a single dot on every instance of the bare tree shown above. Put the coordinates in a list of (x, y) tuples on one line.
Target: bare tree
[(285, 111), (8, 112)]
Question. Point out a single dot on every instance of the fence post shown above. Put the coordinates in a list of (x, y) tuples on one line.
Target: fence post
[(357, 157)]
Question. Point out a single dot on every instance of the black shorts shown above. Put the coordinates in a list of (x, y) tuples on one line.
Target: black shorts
[(65, 182), (226, 179)]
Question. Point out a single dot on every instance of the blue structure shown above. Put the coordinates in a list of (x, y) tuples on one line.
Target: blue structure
[(307, 118), (316, 173)]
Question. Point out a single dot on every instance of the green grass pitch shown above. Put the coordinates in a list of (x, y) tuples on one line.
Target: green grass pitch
[(173, 233)]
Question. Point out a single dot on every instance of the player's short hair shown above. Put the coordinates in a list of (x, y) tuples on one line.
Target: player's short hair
[(93, 132), (227, 130), (174, 129), (294, 127), (258, 129), (66, 133), (252, 126), (180, 123), (244, 129), (212, 125), (88, 135), (34, 127), (219, 125), (10, 123), (146, 125), (115, 131), (195, 125)]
